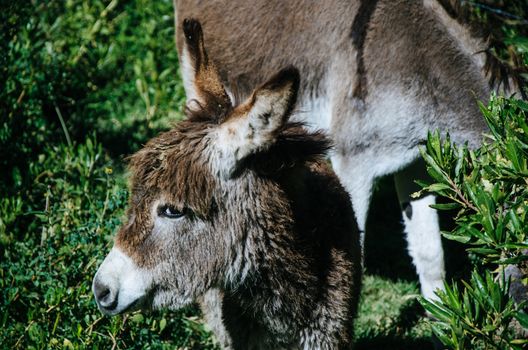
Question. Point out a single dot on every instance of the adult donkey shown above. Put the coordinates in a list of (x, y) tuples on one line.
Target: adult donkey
[(378, 74), (237, 206)]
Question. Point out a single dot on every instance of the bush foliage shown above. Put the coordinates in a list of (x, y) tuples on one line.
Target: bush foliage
[(73, 69), (489, 189), (84, 66)]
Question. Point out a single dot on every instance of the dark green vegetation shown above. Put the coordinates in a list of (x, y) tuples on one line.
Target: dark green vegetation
[(85, 83), (488, 188), (486, 191), (72, 70)]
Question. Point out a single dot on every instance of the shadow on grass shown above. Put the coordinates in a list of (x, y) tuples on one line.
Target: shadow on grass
[(385, 246), (387, 259), (393, 343)]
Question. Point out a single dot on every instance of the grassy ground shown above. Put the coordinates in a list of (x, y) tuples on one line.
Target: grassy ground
[(390, 315)]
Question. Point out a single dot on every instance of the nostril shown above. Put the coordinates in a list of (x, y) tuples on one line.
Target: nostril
[(105, 297), (100, 290), (103, 294)]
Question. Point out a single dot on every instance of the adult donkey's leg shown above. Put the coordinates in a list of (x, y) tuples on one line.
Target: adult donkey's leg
[(358, 182), (422, 229)]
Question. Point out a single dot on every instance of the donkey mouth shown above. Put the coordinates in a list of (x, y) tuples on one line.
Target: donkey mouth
[(119, 310), (142, 303), (133, 306)]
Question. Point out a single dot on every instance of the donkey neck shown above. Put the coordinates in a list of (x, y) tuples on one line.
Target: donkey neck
[(293, 262), (281, 288)]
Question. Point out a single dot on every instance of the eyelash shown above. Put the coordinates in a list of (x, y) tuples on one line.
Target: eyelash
[(170, 212)]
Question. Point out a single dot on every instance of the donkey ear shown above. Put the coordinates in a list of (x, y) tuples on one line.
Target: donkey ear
[(254, 126), (200, 78)]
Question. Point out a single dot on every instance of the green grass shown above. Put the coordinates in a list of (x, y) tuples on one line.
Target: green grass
[(390, 315)]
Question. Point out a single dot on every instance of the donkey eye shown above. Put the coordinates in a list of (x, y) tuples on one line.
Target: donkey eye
[(168, 211)]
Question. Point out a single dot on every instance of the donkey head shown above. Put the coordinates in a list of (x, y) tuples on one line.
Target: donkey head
[(198, 191)]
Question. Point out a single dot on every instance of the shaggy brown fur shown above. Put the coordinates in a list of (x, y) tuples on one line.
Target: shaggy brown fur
[(271, 250)]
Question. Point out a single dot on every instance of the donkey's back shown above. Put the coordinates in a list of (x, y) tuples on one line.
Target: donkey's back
[(355, 55)]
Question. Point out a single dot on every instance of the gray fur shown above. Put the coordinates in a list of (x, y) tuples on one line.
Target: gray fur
[(377, 76)]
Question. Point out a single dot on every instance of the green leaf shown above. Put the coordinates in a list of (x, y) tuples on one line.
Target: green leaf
[(138, 318), (438, 187), (522, 317), (458, 238), (485, 251), (519, 342), (446, 206), (162, 324)]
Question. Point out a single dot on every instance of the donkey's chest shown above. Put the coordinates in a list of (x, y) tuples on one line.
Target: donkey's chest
[(266, 321)]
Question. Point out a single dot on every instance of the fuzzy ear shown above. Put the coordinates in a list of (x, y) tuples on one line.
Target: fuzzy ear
[(200, 78), (254, 125)]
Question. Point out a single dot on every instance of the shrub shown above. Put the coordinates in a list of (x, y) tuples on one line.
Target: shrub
[(73, 67), (489, 189), (53, 237)]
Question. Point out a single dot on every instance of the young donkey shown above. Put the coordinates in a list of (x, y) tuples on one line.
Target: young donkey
[(377, 75), (237, 207)]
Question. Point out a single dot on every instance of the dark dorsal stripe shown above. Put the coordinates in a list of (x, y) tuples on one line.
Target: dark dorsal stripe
[(358, 34), (452, 8)]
